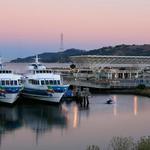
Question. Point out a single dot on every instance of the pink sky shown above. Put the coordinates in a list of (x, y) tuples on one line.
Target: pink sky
[(86, 24)]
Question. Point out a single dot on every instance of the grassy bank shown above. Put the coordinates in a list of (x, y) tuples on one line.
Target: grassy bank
[(143, 92), (125, 143)]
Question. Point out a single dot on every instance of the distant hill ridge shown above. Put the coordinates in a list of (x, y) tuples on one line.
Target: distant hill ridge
[(62, 57)]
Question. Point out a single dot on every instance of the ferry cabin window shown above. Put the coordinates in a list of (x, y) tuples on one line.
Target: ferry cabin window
[(3, 82), (5, 71), (19, 82), (7, 82), (46, 82), (48, 71), (36, 82), (42, 82), (58, 82), (15, 82), (11, 82), (51, 82), (30, 81), (34, 66), (55, 82)]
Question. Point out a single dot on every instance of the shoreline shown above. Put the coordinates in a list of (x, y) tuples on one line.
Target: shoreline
[(142, 92)]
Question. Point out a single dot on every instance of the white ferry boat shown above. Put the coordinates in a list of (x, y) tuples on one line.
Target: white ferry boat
[(41, 84), (10, 85)]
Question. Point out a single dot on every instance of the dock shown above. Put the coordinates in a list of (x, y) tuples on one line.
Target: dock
[(78, 94)]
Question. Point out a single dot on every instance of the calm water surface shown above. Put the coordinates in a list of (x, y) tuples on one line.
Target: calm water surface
[(69, 127)]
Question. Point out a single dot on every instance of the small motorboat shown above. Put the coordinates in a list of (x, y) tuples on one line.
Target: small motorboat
[(109, 101)]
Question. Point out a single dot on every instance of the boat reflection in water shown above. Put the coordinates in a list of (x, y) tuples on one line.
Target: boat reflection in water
[(9, 120), (135, 104), (43, 117), (70, 126), (40, 118)]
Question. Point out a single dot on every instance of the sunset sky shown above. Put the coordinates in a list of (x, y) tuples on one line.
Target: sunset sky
[(28, 27)]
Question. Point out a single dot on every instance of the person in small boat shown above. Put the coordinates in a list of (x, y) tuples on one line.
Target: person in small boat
[(109, 101)]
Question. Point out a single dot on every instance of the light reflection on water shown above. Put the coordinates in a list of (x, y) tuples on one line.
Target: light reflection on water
[(135, 105), (42, 126)]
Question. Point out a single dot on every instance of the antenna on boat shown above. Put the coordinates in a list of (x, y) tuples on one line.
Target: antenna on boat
[(61, 41), (1, 66), (0, 58), (36, 59)]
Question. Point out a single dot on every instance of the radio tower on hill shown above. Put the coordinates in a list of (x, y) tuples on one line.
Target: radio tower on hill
[(61, 42)]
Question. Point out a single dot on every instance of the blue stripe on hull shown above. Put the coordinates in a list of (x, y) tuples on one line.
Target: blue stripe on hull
[(57, 89), (35, 91), (12, 89)]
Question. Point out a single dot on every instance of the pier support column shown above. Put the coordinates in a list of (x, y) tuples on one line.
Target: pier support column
[(110, 75), (123, 75), (116, 75), (85, 101), (130, 75)]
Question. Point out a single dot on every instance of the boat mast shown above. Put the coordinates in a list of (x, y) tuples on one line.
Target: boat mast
[(1, 66), (36, 59)]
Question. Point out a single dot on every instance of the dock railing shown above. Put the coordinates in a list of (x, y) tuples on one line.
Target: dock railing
[(106, 84)]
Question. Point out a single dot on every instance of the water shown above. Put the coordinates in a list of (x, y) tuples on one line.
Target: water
[(68, 127)]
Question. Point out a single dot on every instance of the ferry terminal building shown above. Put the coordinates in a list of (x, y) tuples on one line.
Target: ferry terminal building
[(127, 70)]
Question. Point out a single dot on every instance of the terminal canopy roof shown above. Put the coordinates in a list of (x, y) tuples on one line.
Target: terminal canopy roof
[(96, 61)]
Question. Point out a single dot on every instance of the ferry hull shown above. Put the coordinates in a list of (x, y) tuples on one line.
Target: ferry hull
[(53, 94), (9, 98), (55, 97)]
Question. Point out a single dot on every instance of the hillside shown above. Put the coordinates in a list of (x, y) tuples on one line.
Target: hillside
[(52, 57), (119, 50)]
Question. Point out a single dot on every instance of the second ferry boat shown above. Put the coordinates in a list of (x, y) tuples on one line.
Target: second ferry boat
[(10, 85), (41, 84)]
